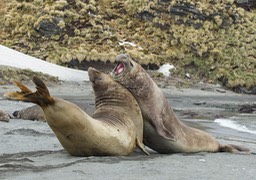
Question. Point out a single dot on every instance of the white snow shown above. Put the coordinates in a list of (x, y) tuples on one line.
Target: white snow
[(127, 43), (10, 57), (165, 69), (122, 43)]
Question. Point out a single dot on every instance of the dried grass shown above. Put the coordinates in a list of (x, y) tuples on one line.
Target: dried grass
[(2, 7)]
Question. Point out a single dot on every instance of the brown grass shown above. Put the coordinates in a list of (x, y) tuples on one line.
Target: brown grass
[(2, 13), (2, 7)]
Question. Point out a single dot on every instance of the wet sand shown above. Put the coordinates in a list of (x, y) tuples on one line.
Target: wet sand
[(30, 150)]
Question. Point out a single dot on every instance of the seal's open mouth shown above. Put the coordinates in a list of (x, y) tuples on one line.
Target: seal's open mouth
[(119, 68)]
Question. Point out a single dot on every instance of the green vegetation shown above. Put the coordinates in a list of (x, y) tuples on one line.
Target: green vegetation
[(214, 41), (8, 74)]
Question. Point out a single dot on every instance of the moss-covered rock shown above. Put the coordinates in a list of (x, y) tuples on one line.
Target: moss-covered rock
[(212, 40), (8, 74)]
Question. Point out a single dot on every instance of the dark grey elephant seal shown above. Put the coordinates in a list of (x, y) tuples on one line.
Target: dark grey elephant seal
[(110, 131), (163, 131), (34, 112), (4, 116)]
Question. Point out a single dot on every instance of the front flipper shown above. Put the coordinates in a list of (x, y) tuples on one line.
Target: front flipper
[(163, 131), (141, 146), (164, 122)]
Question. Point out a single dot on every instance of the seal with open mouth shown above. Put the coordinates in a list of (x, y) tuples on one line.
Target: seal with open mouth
[(163, 131), (115, 128)]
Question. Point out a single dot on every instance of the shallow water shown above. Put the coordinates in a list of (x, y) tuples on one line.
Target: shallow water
[(243, 123), (239, 127)]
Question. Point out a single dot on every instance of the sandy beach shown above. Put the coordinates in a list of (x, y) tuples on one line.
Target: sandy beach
[(30, 150)]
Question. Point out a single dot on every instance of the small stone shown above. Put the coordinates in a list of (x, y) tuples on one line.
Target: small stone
[(202, 160), (199, 103), (188, 76), (221, 90), (50, 28)]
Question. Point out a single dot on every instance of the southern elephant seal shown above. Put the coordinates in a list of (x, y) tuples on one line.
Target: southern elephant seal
[(110, 131), (34, 112), (163, 131)]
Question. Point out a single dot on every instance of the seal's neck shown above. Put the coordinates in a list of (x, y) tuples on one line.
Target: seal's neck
[(110, 98), (140, 85)]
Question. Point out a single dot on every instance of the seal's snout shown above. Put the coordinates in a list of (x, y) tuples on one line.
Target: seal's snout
[(122, 58), (94, 74), (91, 73)]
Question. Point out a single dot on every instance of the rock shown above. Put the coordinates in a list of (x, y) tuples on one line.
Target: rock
[(4, 116), (246, 4), (199, 103), (50, 27), (221, 90), (244, 90), (247, 108)]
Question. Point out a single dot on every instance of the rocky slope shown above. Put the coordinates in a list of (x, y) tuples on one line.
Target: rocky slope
[(212, 40)]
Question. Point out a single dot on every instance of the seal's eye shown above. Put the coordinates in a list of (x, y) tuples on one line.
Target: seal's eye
[(131, 64)]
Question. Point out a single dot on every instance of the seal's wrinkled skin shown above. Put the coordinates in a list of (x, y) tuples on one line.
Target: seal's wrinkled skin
[(110, 131), (163, 131)]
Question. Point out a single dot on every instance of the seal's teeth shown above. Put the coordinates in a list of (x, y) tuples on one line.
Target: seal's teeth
[(119, 68), (115, 69)]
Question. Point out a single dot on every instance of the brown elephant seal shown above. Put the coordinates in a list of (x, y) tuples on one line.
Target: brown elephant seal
[(4, 116), (163, 131), (110, 131), (34, 112)]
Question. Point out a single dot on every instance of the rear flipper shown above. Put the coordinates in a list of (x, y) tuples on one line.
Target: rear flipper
[(141, 146), (41, 96), (234, 149), (18, 95)]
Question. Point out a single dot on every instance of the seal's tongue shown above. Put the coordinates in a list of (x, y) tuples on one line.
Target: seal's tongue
[(119, 68)]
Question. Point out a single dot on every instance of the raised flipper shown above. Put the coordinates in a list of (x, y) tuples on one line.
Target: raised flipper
[(141, 146), (234, 149), (18, 95), (41, 96)]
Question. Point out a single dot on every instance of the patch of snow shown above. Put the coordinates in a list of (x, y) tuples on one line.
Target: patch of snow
[(165, 69), (188, 75), (125, 43), (10, 57)]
